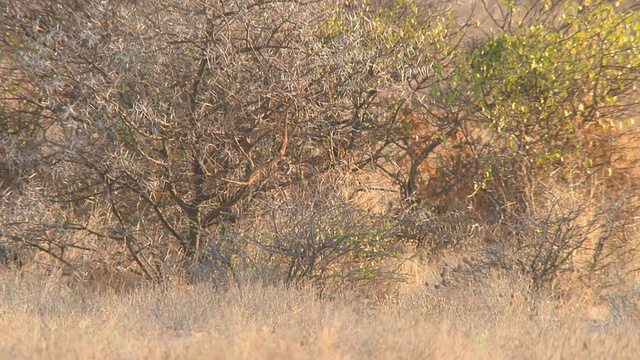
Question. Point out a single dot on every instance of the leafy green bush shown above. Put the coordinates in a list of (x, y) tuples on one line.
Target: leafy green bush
[(540, 103), (546, 99)]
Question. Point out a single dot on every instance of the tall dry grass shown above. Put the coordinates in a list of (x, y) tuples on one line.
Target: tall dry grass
[(436, 314)]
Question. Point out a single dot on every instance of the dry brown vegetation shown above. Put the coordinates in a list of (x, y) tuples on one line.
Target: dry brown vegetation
[(284, 179), (497, 317)]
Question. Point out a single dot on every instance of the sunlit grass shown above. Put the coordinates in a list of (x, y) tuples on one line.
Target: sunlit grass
[(492, 318)]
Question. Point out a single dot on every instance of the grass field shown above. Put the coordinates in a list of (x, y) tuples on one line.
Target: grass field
[(496, 317)]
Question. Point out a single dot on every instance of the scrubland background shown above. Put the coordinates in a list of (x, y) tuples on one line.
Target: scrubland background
[(285, 179)]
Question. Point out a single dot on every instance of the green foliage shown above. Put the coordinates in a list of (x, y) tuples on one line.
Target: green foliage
[(542, 88), (547, 93), (400, 39)]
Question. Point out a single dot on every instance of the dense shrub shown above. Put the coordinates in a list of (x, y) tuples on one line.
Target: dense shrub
[(164, 135)]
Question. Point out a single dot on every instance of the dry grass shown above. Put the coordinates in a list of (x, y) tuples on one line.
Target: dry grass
[(495, 317)]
